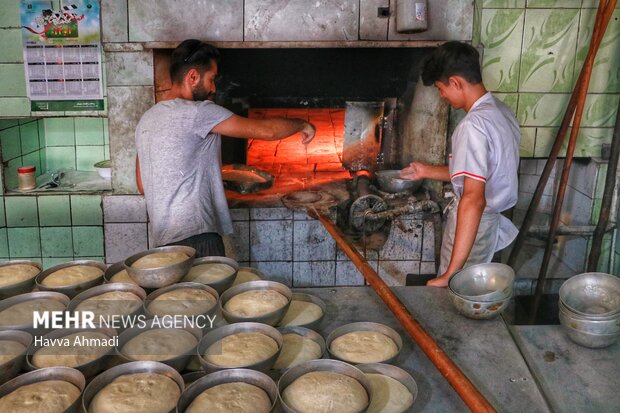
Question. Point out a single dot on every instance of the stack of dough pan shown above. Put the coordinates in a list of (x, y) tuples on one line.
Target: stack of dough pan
[(272, 318), (21, 287), (12, 367), (73, 289)]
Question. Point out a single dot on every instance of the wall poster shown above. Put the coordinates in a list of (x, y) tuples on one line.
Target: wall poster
[(62, 55)]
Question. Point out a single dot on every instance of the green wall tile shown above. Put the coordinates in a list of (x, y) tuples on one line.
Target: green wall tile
[(54, 210), (600, 110), (57, 242), (549, 48), (510, 99), (43, 156), (543, 4), (7, 123), (501, 34), (100, 259), (29, 135), (4, 243), (596, 211), (59, 132), (11, 143), (503, 4), (590, 141), (21, 211), (88, 241), (60, 157), (15, 106), (2, 216), (24, 242), (528, 142), (12, 80), (41, 126), (106, 151), (86, 210), (89, 131), (87, 156), (11, 46), (544, 141), (10, 173), (601, 176), (542, 109), (106, 133), (10, 13), (33, 158), (52, 262)]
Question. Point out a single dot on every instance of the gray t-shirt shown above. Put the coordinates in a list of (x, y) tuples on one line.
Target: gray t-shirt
[(180, 166)]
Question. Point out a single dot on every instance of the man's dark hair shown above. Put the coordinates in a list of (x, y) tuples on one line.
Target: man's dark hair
[(190, 54), (452, 59)]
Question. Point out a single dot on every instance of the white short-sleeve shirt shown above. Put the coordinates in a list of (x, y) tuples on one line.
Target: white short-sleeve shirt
[(485, 147)]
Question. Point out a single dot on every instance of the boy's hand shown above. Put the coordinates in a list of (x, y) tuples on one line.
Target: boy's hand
[(307, 133), (414, 171)]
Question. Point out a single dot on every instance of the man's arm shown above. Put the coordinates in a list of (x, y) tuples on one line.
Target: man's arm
[(470, 209), (272, 129), (418, 170)]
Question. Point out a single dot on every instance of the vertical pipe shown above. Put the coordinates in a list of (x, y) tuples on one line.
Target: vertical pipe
[(457, 379)]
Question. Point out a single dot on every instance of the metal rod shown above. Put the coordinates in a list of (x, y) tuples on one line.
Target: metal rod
[(457, 379), (559, 139), (608, 195), (557, 208)]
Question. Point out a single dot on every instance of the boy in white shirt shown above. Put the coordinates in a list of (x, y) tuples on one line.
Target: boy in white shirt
[(482, 166)]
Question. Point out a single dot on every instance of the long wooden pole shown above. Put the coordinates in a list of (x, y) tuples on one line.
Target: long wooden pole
[(461, 384), (597, 37), (586, 71)]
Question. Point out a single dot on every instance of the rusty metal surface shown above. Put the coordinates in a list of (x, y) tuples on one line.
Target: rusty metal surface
[(484, 349), (362, 135)]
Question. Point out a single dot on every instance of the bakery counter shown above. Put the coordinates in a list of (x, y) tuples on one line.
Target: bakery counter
[(483, 349)]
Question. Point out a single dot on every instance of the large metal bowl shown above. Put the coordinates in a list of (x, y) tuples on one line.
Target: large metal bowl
[(394, 372), (365, 326), (310, 299), (135, 367), (66, 374), (162, 276), (73, 289), (390, 181), (9, 302), (588, 339), (305, 333), (609, 326), (219, 333), (152, 296), (106, 288), (114, 269), (89, 369), (483, 282), (592, 294), (20, 287), (333, 366), (478, 310), (253, 377), (272, 318), (11, 368), (221, 285), (239, 280), (178, 362)]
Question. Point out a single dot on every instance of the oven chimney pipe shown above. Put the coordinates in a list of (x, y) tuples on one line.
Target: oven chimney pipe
[(472, 397)]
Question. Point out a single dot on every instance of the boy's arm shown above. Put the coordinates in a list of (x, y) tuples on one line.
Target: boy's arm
[(418, 170), (470, 209)]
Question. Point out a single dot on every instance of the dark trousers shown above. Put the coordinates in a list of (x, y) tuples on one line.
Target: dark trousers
[(206, 245)]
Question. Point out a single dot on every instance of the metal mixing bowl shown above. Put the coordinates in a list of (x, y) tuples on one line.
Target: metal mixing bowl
[(9, 302), (89, 369), (587, 339), (219, 333), (483, 282), (66, 374), (333, 366), (254, 271), (394, 372), (311, 299), (252, 377), (73, 289), (609, 326), (479, 310), (592, 294), (21, 287), (11, 368), (135, 367), (390, 181), (365, 326), (221, 285), (152, 296), (272, 318), (178, 362), (162, 276), (305, 333)]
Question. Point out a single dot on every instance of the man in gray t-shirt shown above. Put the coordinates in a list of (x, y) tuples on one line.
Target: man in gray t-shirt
[(179, 150)]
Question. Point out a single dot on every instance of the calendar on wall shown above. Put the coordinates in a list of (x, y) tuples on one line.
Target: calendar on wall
[(62, 55)]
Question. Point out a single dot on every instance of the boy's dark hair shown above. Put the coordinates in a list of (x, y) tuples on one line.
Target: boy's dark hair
[(452, 59), (189, 54)]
